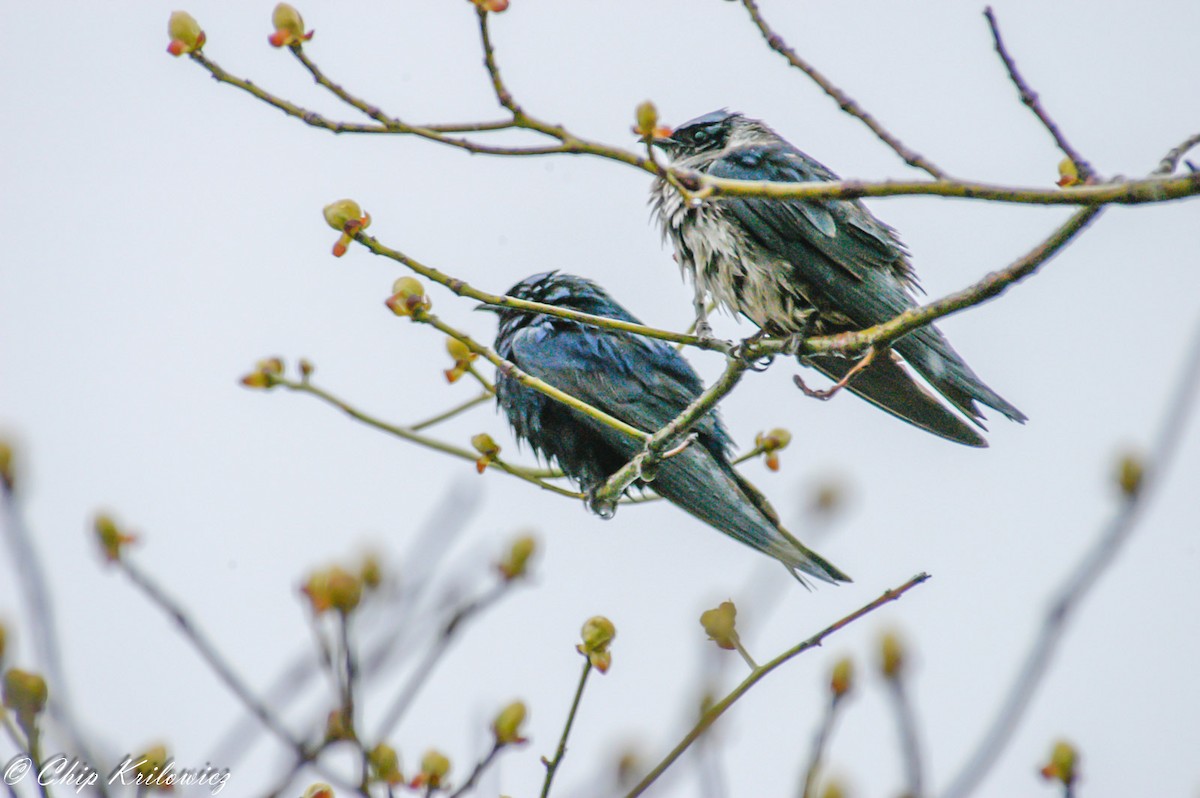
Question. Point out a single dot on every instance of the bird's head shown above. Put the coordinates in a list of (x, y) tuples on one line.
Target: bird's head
[(712, 133), (560, 290)]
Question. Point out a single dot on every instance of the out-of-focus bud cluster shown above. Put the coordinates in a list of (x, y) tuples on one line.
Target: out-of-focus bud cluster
[(1130, 471), (112, 538), (506, 728), (339, 726), (463, 358), (772, 443), (435, 766), (720, 624), (408, 298), (7, 471), (340, 589), (841, 680), (319, 790), (347, 218), (385, 765), (1068, 173), (488, 450), (289, 27), (515, 563), (150, 764), (597, 633), (891, 655), (186, 35), (25, 694)]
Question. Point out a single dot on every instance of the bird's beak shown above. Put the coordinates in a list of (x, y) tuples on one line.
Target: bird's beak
[(664, 139)]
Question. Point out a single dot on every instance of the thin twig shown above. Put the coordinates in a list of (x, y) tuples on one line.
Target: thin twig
[(1170, 161), (560, 752), (532, 475), (480, 767), (844, 101), (1082, 579), (716, 710), (1029, 99), (452, 412)]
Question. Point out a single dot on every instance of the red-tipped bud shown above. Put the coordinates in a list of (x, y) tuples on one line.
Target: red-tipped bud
[(516, 561), (319, 790), (112, 538), (597, 633), (506, 728), (463, 357), (495, 6), (408, 297), (348, 218), (289, 27), (771, 443), (186, 35), (1068, 173), (842, 678), (385, 765), (1063, 765), (488, 450), (434, 768)]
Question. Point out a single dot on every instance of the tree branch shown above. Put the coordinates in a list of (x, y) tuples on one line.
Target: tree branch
[(1029, 99), (719, 708), (844, 101)]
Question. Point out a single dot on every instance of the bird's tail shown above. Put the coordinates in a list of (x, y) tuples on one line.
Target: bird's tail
[(931, 355), (887, 385), (708, 488)]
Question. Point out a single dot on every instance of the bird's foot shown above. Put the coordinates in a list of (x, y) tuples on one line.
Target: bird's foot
[(743, 350), (832, 390), (703, 330)]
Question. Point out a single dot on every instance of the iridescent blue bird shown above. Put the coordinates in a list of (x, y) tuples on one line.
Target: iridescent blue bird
[(643, 382), (815, 266)]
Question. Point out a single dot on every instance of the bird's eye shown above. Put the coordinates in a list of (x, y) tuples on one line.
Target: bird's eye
[(700, 136)]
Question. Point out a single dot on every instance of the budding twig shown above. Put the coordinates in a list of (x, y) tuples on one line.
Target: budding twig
[(719, 708), (552, 764)]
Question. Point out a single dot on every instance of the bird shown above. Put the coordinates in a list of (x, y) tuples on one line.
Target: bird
[(645, 383), (800, 267)]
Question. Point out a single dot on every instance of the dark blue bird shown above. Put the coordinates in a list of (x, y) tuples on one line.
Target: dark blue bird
[(799, 267), (646, 384)]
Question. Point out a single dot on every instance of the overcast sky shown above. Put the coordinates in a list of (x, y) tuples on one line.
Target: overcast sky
[(162, 232)]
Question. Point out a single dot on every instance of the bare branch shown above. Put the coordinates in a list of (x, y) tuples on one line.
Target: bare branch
[(719, 708), (1029, 98), (552, 764), (1170, 161), (844, 101), (1082, 579)]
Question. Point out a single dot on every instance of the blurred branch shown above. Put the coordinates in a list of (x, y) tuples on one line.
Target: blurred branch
[(910, 746), (452, 412), (844, 101), (552, 764), (1029, 99), (478, 770), (719, 708), (820, 742), (404, 698), (208, 652), (1083, 578)]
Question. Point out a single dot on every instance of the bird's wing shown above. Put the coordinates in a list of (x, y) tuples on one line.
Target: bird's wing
[(836, 246), (643, 384)]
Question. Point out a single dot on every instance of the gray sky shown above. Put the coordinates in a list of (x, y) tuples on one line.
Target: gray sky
[(163, 232)]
